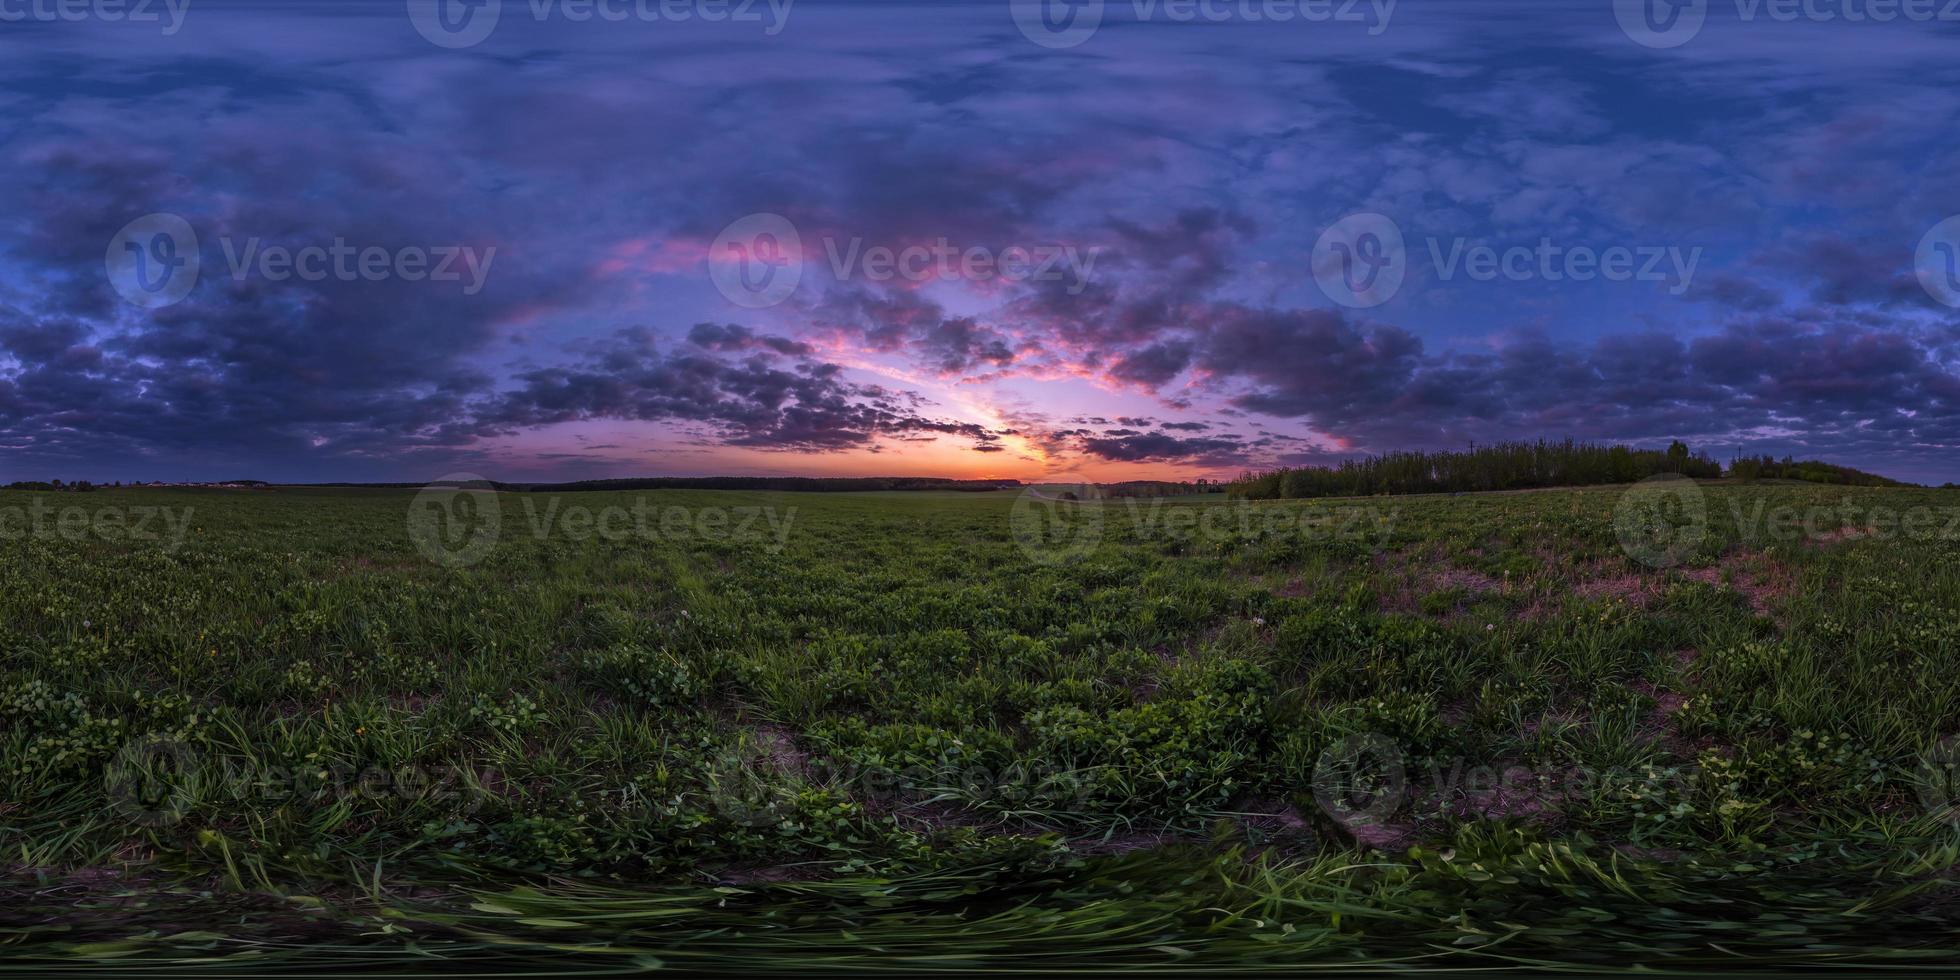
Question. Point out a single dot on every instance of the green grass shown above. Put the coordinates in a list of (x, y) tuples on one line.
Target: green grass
[(895, 731)]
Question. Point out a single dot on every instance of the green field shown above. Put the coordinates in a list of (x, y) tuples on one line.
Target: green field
[(1678, 726)]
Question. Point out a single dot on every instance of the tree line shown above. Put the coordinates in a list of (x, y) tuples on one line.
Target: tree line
[(1499, 466), (806, 484), (1749, 469)]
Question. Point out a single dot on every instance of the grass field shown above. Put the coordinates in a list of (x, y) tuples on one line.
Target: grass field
[(1678, 725)]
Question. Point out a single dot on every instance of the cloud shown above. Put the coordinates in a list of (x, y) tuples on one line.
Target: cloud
[(1138, 447), (732, 337), (600, 164), (748, 402)]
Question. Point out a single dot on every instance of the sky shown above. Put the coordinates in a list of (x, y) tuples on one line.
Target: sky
[(393, 240)]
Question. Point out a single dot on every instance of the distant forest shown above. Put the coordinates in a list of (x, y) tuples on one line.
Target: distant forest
[(1752, 468), (811, 484), (1142, 488), (1529, 465), (1500, 466)]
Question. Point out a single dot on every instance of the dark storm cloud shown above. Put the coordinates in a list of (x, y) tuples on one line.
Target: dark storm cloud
[(1843, 272), (1741, 292), (1144, 282), (899, 320), (1838, 381), (732, 337), (750, 402), (1154, 366), (249, 366), (601, 163), (1137, 447), (958, 343), (1309, 362)]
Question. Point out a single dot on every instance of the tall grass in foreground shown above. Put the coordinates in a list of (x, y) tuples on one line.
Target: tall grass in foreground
[(892, 737), (1491, 898)]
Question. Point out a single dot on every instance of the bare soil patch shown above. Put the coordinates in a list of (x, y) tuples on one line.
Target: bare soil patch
[(1417, 574), (1761, 581)]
